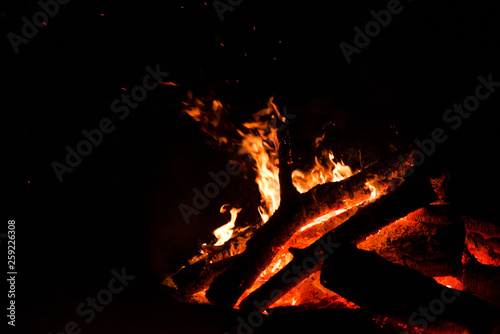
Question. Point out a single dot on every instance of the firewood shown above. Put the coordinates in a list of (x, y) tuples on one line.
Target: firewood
[(295, 211), (482, 280), (486, 229), (382, 287), (427, 240), (411, 195), (199, 272), (186, 284), (415, 193), (487, 251)]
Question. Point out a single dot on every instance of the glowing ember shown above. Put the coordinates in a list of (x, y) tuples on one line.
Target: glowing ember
[(168, 83), (283, 257), (322, 219), (450, 282), (200, 298), (279, 262), (311, 294)]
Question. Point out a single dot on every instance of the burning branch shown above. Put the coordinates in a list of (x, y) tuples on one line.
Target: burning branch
[(289, 218), (311, 223)]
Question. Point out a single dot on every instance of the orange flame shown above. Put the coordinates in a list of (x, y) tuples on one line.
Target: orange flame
[(374, 189), (209, 116), (330, 171), (225, 232), (262, 144), (168, 83)]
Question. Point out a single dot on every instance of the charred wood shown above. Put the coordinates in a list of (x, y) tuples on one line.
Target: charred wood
[(380, 286), (387, 209), (427, 240), (415, 193), (295, 212), (482, 280)]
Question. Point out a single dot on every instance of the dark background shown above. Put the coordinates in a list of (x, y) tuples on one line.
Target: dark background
[(118, 208)]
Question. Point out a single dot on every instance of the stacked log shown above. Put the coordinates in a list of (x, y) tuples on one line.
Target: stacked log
[(297, 210), (427, 240)]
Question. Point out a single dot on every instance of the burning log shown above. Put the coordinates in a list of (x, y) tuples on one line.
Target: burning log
[(428, 240), (483, 241), (187, 283), (297, 211), (412, 194), (277, 260), (487, 251), (487, 230), (382, 287), (481, 280), (197, 276)]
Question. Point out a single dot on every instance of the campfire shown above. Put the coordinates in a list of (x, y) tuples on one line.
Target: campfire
[(383, 238)]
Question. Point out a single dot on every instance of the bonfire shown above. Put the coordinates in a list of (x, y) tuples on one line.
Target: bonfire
[(382, 238)]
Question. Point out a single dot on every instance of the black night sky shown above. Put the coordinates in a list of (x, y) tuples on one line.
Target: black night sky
[(118, 207)]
